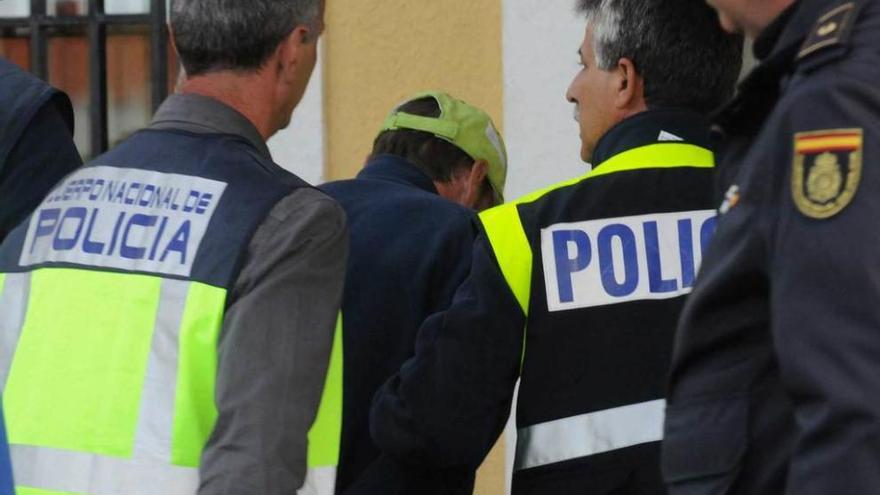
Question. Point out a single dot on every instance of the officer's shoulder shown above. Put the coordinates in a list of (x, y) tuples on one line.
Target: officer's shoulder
[(831, 36), (553, 191)]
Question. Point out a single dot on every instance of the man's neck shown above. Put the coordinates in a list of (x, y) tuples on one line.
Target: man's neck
[(250, 95)]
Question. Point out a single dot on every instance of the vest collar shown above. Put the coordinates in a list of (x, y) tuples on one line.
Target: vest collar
[(653, 127), (204, 115)]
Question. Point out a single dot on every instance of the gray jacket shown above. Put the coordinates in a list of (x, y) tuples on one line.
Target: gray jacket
[(278, 329)]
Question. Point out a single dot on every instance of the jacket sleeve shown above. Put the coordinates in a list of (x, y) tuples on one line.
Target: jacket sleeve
[(449, 403), (275, 347), (825, 288)]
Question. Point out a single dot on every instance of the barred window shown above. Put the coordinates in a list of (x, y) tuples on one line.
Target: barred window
[(112, 57)]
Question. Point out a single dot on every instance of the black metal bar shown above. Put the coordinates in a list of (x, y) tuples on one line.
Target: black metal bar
[(40, 26), (78, 20), (158, 53), (39, 42), (97, 78), (15, 22)]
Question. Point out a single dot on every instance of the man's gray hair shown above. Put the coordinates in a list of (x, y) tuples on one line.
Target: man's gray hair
[(677, 46), (606, 23), (239, 35)]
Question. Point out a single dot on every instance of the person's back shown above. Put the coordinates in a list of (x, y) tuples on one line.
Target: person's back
[(167, 311), (576, 290), (410, 250), (614, 252), (36, 143)]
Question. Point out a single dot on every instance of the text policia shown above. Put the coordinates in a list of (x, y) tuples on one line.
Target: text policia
[(140, 220)]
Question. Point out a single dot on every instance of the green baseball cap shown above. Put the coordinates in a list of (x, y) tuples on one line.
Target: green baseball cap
[(465, 126)]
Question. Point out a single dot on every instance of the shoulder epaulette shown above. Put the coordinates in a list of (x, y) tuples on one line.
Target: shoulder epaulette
[(829, 37)]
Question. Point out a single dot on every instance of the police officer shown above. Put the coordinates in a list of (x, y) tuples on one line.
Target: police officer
[(777, 361), (36, 143), (166, 314), (410, 212), (576, 289)]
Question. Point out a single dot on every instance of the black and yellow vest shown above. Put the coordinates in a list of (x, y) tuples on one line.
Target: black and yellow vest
[(600, 266)]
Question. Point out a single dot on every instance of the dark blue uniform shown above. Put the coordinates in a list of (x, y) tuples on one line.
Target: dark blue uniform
[(410, 250), (595, 272), (776, 370), (36, 143)]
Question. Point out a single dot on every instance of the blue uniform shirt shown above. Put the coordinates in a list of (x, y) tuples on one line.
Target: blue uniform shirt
[(410, 250)]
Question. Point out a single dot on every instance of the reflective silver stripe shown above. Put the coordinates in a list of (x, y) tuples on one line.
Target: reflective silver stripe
[(156, 421), (13, 308), (589, 434), (76, 472), (319, 481)]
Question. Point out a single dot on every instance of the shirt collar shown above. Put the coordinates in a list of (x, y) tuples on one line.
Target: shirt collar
[(205, 115), (767, 40), (780, 41), (653, 127), (393, 168), (776, 47)]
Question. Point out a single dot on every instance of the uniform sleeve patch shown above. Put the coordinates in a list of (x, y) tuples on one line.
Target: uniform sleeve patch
[(827, 171)]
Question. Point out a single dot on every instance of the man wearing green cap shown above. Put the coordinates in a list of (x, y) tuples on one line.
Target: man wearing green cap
[(411, 218), (576, 290)]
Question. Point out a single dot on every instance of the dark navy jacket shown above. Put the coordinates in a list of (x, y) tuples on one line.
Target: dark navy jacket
[(36, 143), (410, 250), (776, 372)]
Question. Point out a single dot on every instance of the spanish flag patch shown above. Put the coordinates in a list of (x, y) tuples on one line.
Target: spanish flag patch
[(827, 170)]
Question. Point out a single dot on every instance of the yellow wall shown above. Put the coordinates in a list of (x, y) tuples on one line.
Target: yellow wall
[(379, 52)]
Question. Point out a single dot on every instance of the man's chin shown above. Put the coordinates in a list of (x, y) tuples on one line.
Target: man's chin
[(586, 155), (728, 24), (284, 122)]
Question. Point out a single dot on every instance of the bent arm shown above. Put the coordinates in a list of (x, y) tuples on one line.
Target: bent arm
[(275, 348)]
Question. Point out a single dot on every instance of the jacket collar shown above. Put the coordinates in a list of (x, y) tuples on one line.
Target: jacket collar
[(653, 127), (392, 168), (777, 48)]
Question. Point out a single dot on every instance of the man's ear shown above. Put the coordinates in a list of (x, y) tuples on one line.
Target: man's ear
[(474, 182), (290, 51), (630, 87)]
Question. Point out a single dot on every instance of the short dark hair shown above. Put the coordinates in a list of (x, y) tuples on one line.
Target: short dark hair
[(677, 46), (436, 157), (239, 35)]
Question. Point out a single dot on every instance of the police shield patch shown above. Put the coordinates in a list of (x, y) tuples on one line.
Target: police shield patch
[(827, 171)]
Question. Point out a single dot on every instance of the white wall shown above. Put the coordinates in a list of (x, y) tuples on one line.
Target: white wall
[(300, 147), (15, 8), (541, 40)]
